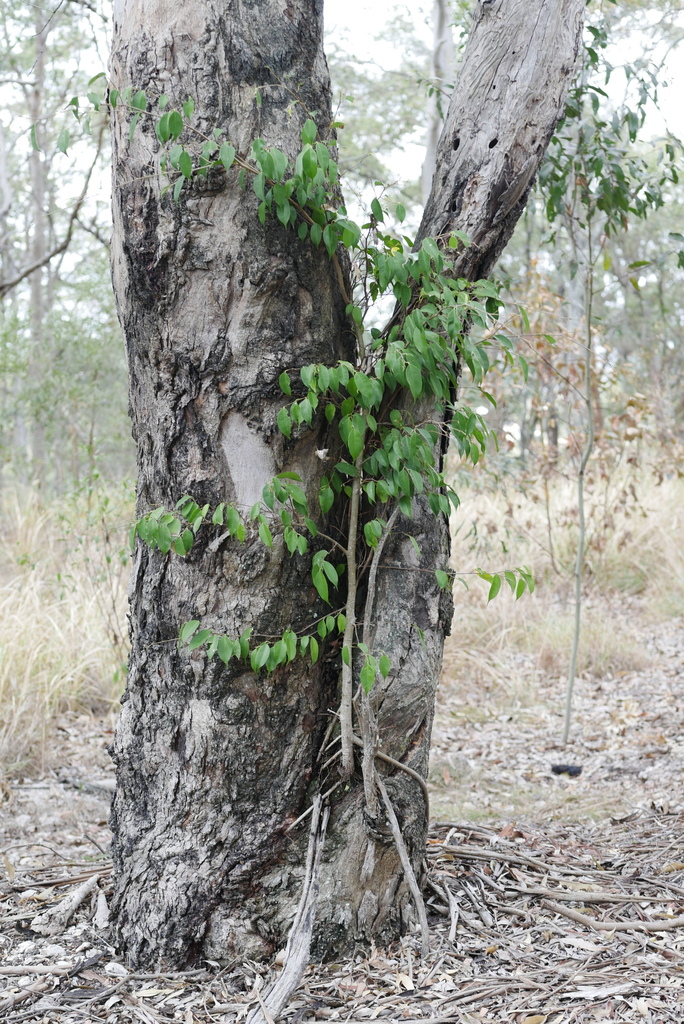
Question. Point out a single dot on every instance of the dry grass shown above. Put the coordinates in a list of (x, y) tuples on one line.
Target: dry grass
[(62, 615), (505, 667), (635, 538)]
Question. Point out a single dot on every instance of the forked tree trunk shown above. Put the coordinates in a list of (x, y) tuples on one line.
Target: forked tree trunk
[(214, 763)]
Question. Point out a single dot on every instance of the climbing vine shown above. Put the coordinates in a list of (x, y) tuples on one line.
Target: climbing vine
[(389, 408)]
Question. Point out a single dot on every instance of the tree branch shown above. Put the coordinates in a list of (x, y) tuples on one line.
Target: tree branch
[(21, 275)]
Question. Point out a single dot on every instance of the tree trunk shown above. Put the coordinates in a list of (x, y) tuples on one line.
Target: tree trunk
[(38, 250), (441, 73), (215, 763)]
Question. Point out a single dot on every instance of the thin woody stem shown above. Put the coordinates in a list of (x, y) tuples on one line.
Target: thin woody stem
[(346, 698)]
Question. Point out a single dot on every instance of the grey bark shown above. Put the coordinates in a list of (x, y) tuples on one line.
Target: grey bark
[(214, 763)]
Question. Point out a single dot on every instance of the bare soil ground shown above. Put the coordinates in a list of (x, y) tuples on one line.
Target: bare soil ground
[(551, 899)]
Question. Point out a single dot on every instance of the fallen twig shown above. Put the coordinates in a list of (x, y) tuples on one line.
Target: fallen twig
[(615, 926), (56, 918), (475, 853)]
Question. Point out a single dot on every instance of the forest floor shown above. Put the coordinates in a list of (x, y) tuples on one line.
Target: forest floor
[(552, 899)]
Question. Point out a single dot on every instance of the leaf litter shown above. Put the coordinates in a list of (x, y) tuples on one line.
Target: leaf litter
[(547, 904)]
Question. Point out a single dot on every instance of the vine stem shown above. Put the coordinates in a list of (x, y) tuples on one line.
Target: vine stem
[(588, 304), (297, 953), (347, 695), (408, 868), (369, 725)]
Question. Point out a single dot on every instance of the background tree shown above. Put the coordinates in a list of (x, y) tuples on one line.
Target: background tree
[(62, 363), (214, 764)]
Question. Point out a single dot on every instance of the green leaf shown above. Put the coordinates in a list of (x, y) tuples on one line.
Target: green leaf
[(227, 155), (309, 132), (405, 505), (290, 639), (460, 236), (175, 124), (162, 128), (400, 212), (163, 539), (354, 442), (326, 496), (187, 630), (131, 130), (442, 579), (177, 188), (244, 642), (376, 210), (331, 572), (199, 639), (268, 496), (233, 521), (284, 422), (313, 650), (320, 583), (225, 649), (284, 381), (367, 675), (63, 141), (414, 379), (163, 101), (384, 665), (279, 653), (494, 588), (259, 656), (371, 539), (34, 140), (189, 107), (185, 164), (264, 533)]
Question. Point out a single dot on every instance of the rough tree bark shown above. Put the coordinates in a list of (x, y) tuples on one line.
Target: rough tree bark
[(214, 763)]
